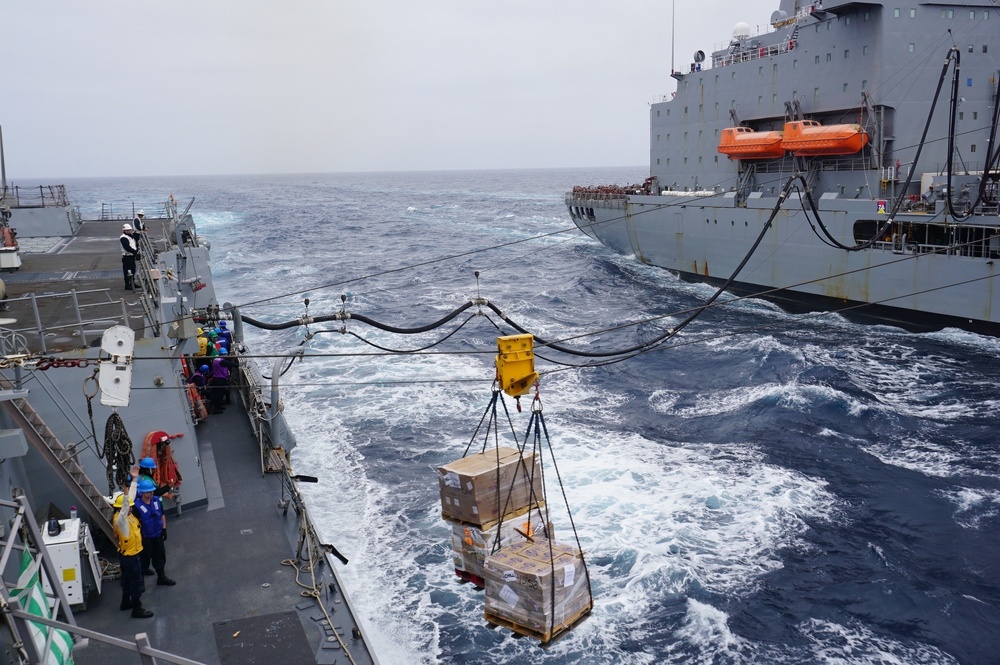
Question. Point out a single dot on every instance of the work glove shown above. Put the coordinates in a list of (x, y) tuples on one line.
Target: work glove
[(164, 534)]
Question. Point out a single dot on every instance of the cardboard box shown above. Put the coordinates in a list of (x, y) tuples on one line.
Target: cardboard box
[(478, 488), (471, 544), (539, 587)]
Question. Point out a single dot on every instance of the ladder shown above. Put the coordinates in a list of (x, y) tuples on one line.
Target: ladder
[(63, 461)]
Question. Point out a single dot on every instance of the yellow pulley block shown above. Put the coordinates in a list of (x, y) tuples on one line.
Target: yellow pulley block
[(516, 364)]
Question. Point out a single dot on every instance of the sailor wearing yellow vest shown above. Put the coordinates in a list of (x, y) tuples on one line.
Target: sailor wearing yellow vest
[(129, 545)]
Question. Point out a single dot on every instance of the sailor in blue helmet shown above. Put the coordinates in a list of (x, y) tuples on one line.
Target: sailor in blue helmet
[(147, 469), (226, 334), (153, 525)]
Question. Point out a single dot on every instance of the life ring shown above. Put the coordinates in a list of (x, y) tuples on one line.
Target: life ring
[(9, 237), (157, 446)]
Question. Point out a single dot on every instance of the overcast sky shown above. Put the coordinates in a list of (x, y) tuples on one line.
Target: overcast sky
[(191, 87)]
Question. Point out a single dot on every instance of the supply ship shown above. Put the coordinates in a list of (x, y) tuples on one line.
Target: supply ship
[(844, 158), (94, 378)]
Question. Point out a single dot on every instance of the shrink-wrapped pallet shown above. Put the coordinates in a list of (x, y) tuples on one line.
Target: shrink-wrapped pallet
[(472, 544), (475, 489), (538, 589)]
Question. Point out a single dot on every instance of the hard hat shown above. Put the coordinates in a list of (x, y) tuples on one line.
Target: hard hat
[(147, 463), (140, 213), (203, 369), (222, 325), (126, 227), (212, 334), (118, 500), (146, 485), (164, 438), (223, 351), (200, 331)]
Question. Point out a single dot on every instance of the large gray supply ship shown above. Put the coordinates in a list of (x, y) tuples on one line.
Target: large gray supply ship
[(847, 155), (254, 581)]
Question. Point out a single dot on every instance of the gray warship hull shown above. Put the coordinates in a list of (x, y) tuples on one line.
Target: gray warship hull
[(904, 230)]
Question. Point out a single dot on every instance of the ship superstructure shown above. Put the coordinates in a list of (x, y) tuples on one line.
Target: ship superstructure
[(854, 139)]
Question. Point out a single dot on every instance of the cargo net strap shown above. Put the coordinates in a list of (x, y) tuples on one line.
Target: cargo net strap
[(535, 431), (116, 452), (491, 421)]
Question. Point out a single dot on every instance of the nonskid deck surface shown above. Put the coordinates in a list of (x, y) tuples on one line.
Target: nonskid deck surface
[(227, 562), (88, 263)]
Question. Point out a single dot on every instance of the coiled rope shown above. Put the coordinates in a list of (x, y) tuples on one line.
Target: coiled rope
[(116, 452)]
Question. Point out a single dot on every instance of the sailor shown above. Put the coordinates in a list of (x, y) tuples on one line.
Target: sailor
[(219, 382), (129, 534), (200, 378), (147, 469), (130, 252), (153, 526), (138, 224)]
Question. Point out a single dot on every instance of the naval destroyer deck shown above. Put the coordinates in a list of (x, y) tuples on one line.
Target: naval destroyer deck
[(242, 532)]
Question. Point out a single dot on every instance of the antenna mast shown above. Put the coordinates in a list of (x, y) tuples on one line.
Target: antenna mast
[(673, 30)]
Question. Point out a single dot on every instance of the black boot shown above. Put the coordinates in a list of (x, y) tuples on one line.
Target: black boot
[(163, 580), (138, 611), (126, 602)]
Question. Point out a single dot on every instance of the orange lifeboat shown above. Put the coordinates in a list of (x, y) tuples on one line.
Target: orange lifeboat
[(808, 138), (744, 143)]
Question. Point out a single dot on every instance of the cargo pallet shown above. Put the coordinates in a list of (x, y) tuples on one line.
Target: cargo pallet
[(486, 526), (546, 637)]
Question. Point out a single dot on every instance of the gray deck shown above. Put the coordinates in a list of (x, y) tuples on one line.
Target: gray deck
[(235, 601)]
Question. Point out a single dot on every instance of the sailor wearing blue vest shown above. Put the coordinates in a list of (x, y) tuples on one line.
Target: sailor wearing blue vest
[(154, 531), (129, 546)]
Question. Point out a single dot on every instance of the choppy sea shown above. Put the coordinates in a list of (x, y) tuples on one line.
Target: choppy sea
[(767, 488)]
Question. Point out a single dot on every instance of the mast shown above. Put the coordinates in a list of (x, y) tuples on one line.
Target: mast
[(3, 167), (673, 30)]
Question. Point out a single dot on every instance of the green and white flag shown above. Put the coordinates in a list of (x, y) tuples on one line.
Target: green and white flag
[(31, 595)]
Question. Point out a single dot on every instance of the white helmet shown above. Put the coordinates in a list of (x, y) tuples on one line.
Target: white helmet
[(140, 213), (126, 227)]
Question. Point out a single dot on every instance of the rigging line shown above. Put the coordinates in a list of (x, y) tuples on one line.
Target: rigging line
[(650, 320), (405, 351), (796, 320), (695, 313), (909, 178)]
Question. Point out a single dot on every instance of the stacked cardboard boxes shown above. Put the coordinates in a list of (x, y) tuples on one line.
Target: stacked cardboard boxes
[(475, 489), (538, 589), (471, 544)]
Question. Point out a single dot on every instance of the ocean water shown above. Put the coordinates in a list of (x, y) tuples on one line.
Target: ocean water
[(767, 488)]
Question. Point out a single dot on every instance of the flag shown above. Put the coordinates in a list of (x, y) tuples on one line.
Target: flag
[(31, 595)]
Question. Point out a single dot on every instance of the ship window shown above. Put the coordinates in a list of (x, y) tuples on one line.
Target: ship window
[(847, 53), (829, 25), (716, 79), (829, 57), (867, 15), (685, 136), (817, 59), (864, 50), (685, 160), (700, 133), (774, 68), (910, 47), (760, 100), (685, 110), (845, 87), (970, 45), (864, 84), (972, 148), (847, 20), (795, 64), (774, 99), (895, 12), (699, 157), (717, 106), (815, 92), (961, 115), (795, 93), (913, 13), (701, 108), (984, 48), (657, 137), (975, 115), (732, 75), (972, 15), (716, 159), (986, 15)]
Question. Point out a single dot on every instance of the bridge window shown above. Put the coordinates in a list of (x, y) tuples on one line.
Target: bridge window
[(895, 12)]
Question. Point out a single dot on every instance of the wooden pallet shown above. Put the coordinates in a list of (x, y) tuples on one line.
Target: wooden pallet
[(546, 637), (540, 505)]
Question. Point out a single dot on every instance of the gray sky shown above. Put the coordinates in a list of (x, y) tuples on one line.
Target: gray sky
[(113, 88)]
